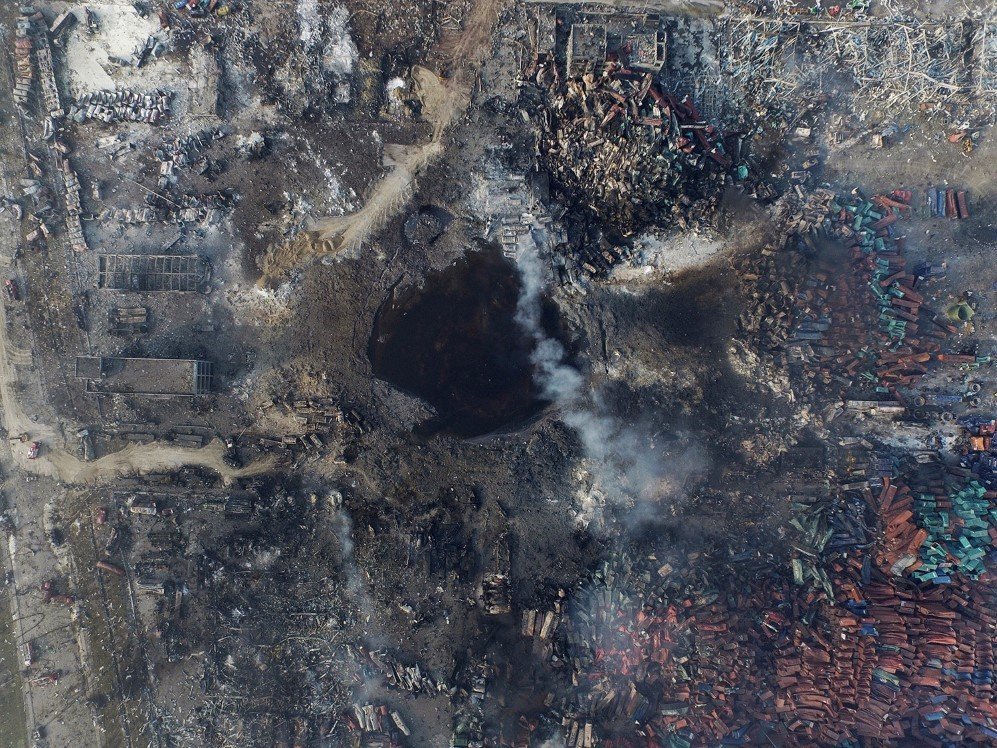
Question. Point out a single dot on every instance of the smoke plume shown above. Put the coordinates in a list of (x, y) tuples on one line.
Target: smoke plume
[(626, 464)]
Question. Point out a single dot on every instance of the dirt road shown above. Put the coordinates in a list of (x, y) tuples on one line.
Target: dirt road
[(443, 101)]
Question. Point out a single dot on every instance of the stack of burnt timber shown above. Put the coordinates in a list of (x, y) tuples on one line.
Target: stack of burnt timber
[(121, 106), (630, 153)]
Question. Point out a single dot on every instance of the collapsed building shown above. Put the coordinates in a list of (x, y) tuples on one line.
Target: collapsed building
[(144, 376)]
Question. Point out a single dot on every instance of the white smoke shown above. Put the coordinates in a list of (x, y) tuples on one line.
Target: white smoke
[(625, 464), (559, 382), (555, 742), (342, 526)]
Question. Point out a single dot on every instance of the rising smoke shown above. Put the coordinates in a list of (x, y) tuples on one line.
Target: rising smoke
[(624, 465)]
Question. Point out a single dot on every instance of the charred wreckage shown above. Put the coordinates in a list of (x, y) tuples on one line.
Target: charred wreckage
[(728, 327)]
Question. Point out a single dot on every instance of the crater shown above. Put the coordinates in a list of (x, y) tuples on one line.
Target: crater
[(456, 344)]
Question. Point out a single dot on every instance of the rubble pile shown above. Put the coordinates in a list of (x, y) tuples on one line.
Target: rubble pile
[(74, 227), (114, 146), (46, 70), (884, 631), (185, 152), (26, 42), (202, 8), (204, 209), (628, 152), (316, 421), (24, 70), (377, 726), (121, 106), (979, 459), (960, 531), (880, 658), (889, 662), (39, 194), (405, 677), (670, 655), (129, 216)]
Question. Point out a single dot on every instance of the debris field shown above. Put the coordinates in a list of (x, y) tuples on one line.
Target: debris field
[(516, 373)]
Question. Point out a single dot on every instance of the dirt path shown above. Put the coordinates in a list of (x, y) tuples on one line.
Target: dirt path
[(443, 101), (150, 458)]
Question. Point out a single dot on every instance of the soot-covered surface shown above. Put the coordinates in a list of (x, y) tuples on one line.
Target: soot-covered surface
[(455, 343)]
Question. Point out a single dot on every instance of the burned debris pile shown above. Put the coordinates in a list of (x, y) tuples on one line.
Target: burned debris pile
[(121, 106), (631, 155), (662, 652), (338, 510), (892, 62), (24, 68)]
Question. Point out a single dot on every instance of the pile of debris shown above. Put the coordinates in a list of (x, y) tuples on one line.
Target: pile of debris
[(46, 70), (666, 655), (889, 662), (406, 677), (204, 209), (895, 62), (959, 531), (129, 216), (39, 194), (880, 658), (377, 726), (121, 106), (980, 457), (185, 152), (631, 154), (114, 146), (27, 41), (864, 335), (74, 227), (24, 70), (206, 8)]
